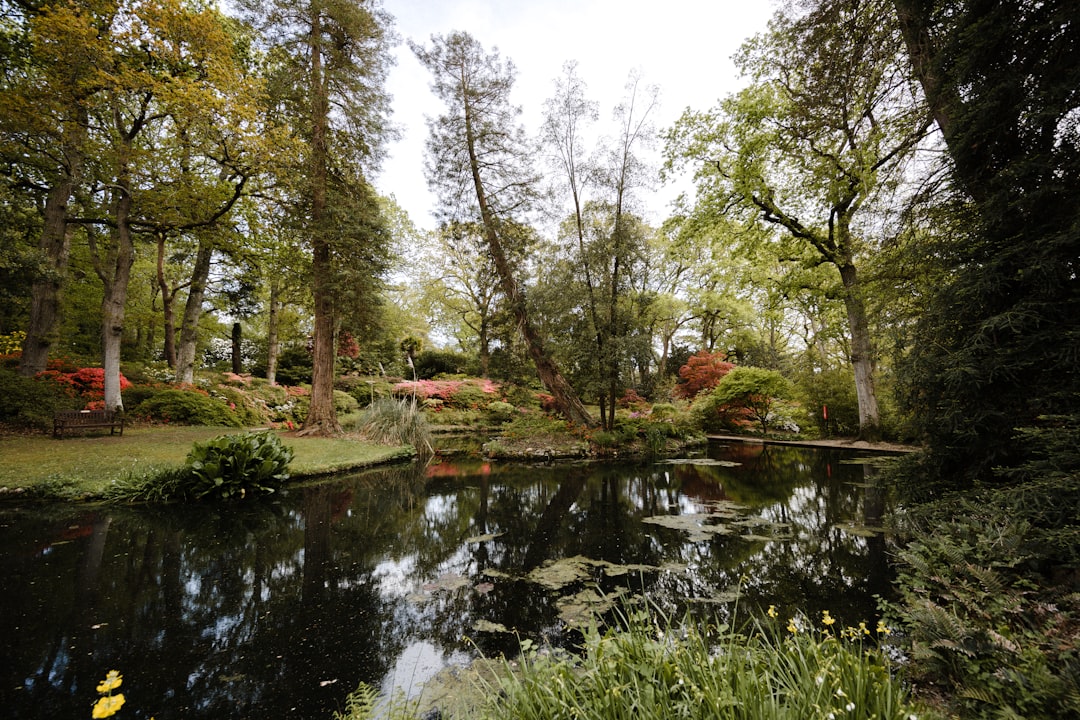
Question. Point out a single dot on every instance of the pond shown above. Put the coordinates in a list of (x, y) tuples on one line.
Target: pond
[(280, 608)]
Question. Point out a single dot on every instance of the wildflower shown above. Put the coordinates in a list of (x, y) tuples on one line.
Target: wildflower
[(792, 627), (108, 706), (850, 706), (772, 611), (827, 619), (863, 629), (112, 681), (884, 629)]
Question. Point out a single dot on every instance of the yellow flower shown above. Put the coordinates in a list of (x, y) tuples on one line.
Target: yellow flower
[(111, 682), (863, 629), (883, 629), (792, 627), (827, 619), (772, 611), (108, 706)]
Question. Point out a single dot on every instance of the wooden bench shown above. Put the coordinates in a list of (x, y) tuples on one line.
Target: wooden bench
[(82, 419)]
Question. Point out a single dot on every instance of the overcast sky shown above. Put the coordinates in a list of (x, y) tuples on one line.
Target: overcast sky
[(682, 46)]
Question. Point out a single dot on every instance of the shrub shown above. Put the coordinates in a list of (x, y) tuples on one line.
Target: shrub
[(187, 407), (835, 390), (237, 465), (11, 343), (344, 403), (430, 363), (460, 394), (984, 627), (501, 411), (703, 371), (32, 403), (749, 390), (632, 400), (663, 412)]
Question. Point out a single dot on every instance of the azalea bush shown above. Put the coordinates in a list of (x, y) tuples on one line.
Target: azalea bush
[(459, 394)]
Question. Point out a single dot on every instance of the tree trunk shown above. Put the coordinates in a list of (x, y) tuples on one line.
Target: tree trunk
[(114, 299), (485, 348), (189, 326), (862, 355), (168, 295), (272, 343), (237, 353), (321, 418), (565, 399), (55, 243)]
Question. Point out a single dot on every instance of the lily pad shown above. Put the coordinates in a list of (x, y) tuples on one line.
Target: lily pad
[(722, 597), (489, 627), (477, 539), (576, 610), (557, 575), (860, 530), (695, 525), (448, 582), (709, 462)]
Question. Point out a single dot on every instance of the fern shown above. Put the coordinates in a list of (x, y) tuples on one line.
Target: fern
[(360, 704)]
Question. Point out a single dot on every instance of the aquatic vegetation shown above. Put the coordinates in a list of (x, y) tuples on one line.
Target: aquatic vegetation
[(649, 667)]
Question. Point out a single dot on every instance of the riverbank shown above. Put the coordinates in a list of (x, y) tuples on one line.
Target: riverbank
[(82, 468), (841, 443)]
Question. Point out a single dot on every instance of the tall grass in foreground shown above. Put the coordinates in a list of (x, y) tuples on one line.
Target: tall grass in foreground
[(644, 672), (649, 668), (397, 422)]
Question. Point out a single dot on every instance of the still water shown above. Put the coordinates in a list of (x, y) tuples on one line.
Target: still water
[(278, 609)]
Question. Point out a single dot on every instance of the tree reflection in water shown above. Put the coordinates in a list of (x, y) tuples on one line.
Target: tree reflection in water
[(280, 608)]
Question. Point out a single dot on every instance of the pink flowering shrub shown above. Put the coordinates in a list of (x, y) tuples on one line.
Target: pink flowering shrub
[(458, 394)]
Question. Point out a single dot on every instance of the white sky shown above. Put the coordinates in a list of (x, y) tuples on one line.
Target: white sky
[(682, 46)]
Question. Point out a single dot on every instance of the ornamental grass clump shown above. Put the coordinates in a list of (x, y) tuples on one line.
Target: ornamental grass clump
[(397, 422)]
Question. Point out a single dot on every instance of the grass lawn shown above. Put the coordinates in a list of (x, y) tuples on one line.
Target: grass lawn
[(83, 466)]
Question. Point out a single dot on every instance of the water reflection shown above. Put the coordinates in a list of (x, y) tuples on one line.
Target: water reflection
[(279, 609)]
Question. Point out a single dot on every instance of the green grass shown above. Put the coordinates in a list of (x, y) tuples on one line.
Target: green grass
[(85, 466)]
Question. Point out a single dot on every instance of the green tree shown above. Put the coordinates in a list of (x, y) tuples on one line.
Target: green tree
[(478, 161), (998, 344), (56, 59), (329, 85), (825, 129), (462, 288), (754, 389)]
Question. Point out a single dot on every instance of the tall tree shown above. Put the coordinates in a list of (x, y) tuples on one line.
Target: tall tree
[(828, 124), (56, 60), (597, 186), (334, 57), (479, 162), (998, 346)]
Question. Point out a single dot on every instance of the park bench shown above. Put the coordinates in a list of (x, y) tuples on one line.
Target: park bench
[(78, 420)]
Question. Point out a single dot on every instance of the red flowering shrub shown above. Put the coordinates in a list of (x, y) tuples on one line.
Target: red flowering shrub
[(703, 371), (87, 383), (547, 402)]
